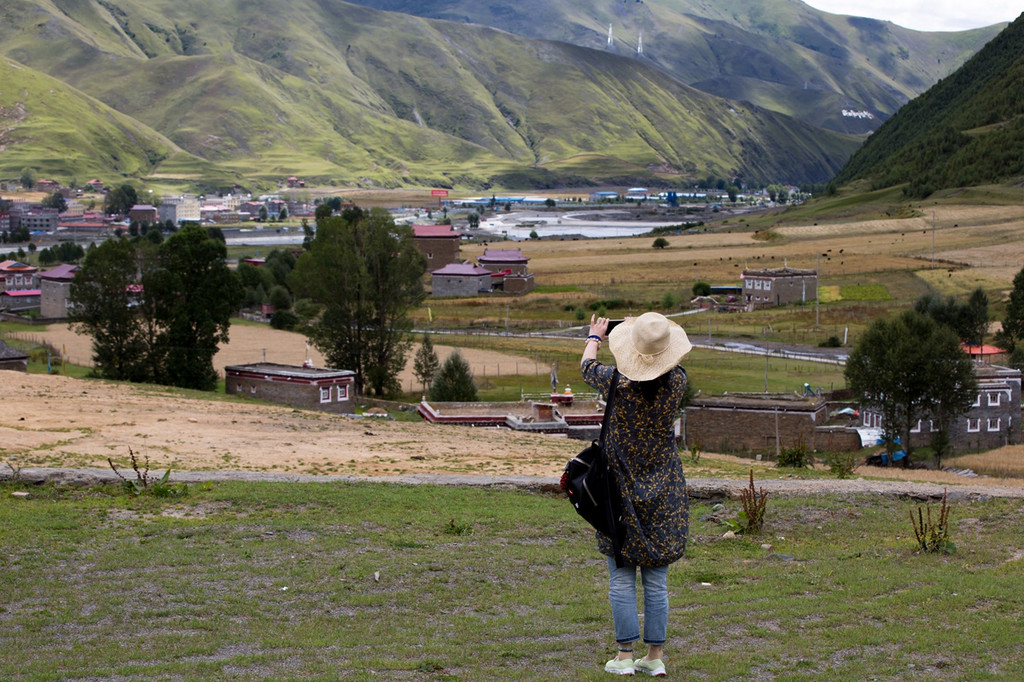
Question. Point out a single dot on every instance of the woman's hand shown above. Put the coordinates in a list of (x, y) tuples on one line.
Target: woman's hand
[(599, 326)]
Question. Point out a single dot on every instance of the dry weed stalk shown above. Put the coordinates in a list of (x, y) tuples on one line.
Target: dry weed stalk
[(933, 536), (754, 504)]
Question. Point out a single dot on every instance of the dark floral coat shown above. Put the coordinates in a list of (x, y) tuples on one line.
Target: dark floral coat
[(642, 451)]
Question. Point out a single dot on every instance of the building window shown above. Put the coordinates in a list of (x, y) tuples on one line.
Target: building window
[(768, 286), (977, 400), (932, 426), (750, 284), (325, 394), (973, 425), (917, 427), (993, 399), (342, 392), (993, 424)]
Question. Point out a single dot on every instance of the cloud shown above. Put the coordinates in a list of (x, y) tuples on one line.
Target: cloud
[(923, 15)]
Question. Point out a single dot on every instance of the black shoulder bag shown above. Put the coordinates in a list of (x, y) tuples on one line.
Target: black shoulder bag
[(590, 484)]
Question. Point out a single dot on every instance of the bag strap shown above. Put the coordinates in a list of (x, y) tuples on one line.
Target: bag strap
[(616, 539), (608, 407)]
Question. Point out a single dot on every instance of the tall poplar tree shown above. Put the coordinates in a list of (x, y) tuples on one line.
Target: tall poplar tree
[(365, 273)]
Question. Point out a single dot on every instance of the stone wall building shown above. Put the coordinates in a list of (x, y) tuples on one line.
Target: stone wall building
[(994, 420), (310, 388), (752, 422), (55, 291), (766, 288), (460, 279)]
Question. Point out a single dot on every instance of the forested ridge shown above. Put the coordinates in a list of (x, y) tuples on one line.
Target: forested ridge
[(968, 129)]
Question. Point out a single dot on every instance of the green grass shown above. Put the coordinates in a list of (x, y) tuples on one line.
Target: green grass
[(377, 581)]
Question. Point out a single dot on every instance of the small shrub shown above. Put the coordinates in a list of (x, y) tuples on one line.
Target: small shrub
[(841, 464), (831, 342), (933, 535), (455, 528), (695, 447), (794, 457)]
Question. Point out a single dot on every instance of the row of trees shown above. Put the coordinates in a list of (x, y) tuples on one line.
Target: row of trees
[(157, 312)]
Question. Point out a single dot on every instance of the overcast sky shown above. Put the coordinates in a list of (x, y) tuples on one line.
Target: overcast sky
[(927, 15)]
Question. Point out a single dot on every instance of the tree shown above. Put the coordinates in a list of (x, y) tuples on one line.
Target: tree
[(425, 363), (976, 317), (969, 319), (1013, 323), (733, 192), (910, 367), (473, 219), (55, 200), (28, 177), (194, 295), (104, 297), (701, 289), (453, 382), (660, 243), (120, 200), (366, 273)]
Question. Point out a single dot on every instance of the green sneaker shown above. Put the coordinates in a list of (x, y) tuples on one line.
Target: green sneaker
[(653, 668), (617, 667)]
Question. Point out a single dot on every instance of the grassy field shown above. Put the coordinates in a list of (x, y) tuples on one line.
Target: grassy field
[(251, 581)]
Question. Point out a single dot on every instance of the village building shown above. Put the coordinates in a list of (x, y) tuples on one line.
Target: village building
[(5, 221), (439, 244), (15, 276), (12, 358), (303, 387), (39, 220), (48, 186), (55, 291), (761, 423), (460, 279), (143, 213), (512, 265), (179, 209), (993, 420), (95, 185), (766, 288)]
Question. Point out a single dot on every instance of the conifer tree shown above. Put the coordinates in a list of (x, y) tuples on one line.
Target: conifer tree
[(425, 363), (453, 382)]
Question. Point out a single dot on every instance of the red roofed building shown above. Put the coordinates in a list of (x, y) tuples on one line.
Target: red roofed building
[(439, 244), (512, 266)]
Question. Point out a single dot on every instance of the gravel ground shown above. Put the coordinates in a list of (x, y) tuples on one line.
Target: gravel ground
[(700, 488)]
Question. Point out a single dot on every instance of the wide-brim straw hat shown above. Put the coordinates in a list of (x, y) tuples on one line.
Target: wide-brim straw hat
[(647, 346)]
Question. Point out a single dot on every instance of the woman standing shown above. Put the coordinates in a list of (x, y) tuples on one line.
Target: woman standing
[(642, 453)]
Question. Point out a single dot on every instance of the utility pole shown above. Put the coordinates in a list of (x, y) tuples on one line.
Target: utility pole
[(817, 291)]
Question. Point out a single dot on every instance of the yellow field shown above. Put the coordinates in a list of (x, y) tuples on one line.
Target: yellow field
[(972, 245)]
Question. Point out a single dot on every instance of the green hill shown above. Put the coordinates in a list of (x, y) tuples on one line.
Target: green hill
[(340, 93), (782, 55), (968, 129), (49, 126)]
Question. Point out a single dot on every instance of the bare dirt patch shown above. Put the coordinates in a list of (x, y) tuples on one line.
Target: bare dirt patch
[(59, 421), (254, 343)]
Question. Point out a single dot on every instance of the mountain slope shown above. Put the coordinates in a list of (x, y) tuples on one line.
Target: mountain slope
[(51, 127), (968, 129), (779, 54), (338, 92)]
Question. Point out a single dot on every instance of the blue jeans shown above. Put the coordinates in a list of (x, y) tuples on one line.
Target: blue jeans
[(622, 595)]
